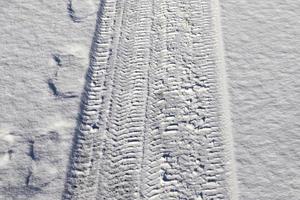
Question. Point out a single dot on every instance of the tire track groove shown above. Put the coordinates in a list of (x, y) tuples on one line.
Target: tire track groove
[(150, 126), (77, 186)]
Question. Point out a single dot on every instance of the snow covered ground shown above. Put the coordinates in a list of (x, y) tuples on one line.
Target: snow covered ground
[(262, 46), (45, 57)]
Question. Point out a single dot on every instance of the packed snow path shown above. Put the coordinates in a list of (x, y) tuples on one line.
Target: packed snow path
[(150, 125)]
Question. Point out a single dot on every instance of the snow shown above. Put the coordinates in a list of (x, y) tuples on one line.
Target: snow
[(262, 57), (37, 127), (45, 55)]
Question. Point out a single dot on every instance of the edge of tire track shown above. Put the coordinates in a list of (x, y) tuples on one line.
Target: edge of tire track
[(224, 102), (67, 192)]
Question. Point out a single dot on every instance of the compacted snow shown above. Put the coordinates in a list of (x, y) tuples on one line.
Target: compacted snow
[(150, 125), (128, 99)]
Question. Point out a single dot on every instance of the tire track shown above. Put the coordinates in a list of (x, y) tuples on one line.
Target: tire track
[(79, 184), (100, 139), (150, 122), (205, 57), (189, 141), (151, 179), (125, 128)]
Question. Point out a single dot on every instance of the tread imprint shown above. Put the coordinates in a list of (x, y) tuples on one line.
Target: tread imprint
[(149, 126)]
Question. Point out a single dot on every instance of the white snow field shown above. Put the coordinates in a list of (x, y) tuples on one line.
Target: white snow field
[(128, 99)]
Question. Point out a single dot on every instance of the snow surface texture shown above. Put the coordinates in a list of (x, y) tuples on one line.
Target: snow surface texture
[(150, 125), (262, 46), (44, 56), (154, 120)]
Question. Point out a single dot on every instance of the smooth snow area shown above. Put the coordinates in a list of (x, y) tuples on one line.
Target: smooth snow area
[(262, 46)]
